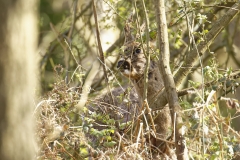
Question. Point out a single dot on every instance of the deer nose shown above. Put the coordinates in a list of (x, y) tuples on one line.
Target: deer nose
[(123, 64)]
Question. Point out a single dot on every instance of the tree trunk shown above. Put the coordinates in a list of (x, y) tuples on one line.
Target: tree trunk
[(18, 62)]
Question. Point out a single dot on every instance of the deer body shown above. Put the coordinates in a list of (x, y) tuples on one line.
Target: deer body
[(132, 65)]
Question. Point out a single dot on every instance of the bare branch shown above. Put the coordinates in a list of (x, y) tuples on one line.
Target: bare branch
[(147, 51), (163, 45), (203, 46), (101, 50), (234, 75)]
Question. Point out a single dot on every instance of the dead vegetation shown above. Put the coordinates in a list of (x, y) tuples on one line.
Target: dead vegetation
[(116, 124), (102, 131)]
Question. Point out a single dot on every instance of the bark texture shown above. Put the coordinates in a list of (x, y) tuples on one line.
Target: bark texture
[(164, 65), (18, 43), (200, 50)]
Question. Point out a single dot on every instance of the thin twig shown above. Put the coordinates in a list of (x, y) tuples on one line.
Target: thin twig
[(101, 50), (147, 51), (116, 12), (120, 141), (186, 91), (69, 47), (66, 52), (139, 133), (150, 115), (203, 46), (70, 33)]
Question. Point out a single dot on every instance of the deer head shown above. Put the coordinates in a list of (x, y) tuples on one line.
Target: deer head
[(132, 62)]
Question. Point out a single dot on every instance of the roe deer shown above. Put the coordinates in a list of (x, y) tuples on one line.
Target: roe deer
[(132, 65)]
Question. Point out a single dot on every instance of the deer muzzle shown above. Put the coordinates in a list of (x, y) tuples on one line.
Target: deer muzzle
[(123, 65)]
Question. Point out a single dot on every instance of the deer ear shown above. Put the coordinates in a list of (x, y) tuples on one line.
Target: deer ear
[(128, 35), (127, 29)]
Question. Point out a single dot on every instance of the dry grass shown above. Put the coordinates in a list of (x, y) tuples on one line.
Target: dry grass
[(102, 131)]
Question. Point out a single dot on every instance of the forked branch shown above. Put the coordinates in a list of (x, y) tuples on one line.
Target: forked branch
[(172, 96), (201, 48)]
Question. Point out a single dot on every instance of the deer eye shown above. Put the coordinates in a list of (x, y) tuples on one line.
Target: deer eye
[(138, 50)]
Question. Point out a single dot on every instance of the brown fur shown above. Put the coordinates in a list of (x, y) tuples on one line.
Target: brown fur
[(122, 110), (132, 65)]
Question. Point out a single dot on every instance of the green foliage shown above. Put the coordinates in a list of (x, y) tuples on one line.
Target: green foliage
[(68, 49)]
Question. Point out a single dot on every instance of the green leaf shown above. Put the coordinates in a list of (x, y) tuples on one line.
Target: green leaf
[(194, 84), (109, 144)]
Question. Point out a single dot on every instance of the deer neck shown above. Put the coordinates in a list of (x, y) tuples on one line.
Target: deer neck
[(155, 82)]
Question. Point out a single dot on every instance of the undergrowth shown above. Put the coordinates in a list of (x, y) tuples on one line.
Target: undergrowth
[(106, 131)]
